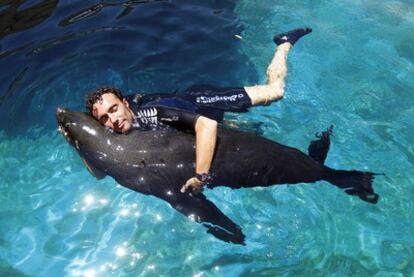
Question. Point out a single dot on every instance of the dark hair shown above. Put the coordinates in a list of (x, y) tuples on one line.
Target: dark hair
[(96, 95)]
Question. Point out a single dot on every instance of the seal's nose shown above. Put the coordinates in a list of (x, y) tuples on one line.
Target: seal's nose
[(60, 110), (60, 114)]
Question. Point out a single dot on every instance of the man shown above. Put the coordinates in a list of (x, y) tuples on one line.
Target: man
[(120, 114)]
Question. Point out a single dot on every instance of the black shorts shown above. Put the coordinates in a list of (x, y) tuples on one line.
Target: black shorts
[(228, 99), (206, 100)]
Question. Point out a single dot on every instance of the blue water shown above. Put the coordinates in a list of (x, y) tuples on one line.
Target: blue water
[(356, 71)]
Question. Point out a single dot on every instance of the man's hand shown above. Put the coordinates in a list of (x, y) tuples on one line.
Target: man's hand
[(194, 185)]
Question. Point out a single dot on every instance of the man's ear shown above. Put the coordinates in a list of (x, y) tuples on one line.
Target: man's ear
[(94, 112), (125, 102)]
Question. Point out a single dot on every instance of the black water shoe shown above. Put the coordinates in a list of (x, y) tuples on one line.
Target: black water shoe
[(291, 36)]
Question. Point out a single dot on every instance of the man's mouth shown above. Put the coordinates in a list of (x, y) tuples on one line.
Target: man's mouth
[(121, 124)]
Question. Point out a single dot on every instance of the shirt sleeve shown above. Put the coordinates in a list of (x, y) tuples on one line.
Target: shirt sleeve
[(179, 119)]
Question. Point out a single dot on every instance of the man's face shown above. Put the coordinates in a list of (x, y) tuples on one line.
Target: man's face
[(113, 113)]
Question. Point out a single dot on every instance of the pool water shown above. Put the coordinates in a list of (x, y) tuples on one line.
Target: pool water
[(356, 71)]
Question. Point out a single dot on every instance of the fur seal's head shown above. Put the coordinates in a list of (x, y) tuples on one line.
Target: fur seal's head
[(79, 128), (84, 133)]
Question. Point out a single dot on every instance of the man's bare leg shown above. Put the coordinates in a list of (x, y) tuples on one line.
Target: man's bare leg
[(276, 71), (276, 74)]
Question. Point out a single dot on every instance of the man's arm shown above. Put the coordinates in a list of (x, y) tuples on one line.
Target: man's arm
[(206, 135)]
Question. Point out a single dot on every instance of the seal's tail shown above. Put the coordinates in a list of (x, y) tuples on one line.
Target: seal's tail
[(354, 182)]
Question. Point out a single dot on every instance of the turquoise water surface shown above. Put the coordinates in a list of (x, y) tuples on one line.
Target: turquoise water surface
[(356, 71)]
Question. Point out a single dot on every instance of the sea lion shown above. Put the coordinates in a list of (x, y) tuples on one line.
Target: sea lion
[(159, 162)]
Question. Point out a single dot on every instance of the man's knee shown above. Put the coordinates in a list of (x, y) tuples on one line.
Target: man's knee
[(265, 94)]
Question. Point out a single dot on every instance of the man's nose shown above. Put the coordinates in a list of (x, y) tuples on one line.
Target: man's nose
[(113, 118)]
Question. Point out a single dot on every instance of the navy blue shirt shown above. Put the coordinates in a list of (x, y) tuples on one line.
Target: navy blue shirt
[(160, 117)]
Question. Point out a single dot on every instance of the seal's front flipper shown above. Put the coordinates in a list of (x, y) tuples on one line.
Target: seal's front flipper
[(201, 210), (318, 149), (98, 174)]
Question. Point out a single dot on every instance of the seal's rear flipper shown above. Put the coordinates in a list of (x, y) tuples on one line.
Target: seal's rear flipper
[(203, 211), (318, 149), (355, 182)]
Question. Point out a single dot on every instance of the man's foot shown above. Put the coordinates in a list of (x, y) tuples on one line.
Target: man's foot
[(291, 36)]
